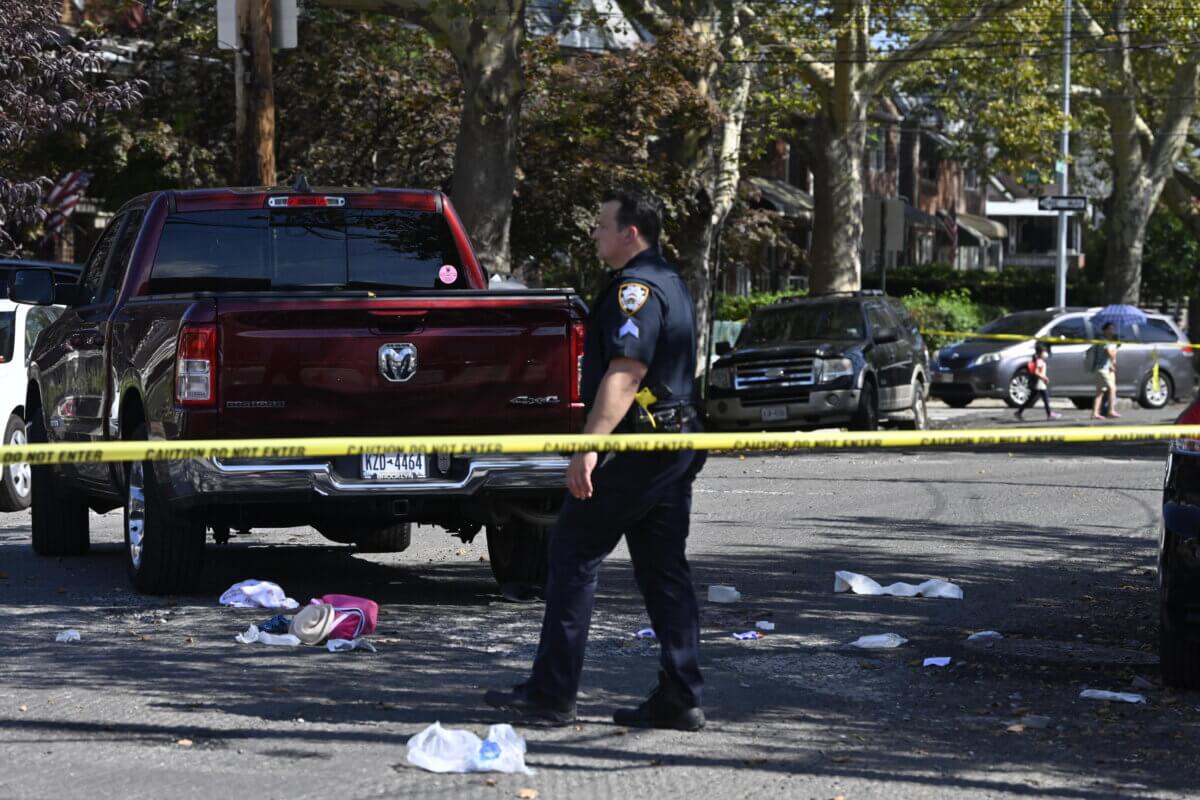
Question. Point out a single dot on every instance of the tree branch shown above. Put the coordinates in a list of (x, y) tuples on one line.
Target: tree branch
[(884, 70), (1177, 120), (649, 14)]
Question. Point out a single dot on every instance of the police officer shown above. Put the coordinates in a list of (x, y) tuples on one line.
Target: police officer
[(638, 366)]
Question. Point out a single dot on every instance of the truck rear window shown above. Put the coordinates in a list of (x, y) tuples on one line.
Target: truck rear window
[(309, 248)]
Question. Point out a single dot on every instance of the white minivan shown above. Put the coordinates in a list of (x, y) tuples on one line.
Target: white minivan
[(19, 327)]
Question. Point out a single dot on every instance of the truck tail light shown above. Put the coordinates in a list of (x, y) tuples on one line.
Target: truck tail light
[(578, 332), (196, 366), (305, 201)]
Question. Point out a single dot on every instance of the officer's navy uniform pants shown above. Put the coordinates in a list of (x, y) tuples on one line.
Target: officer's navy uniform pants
[(647, 497)]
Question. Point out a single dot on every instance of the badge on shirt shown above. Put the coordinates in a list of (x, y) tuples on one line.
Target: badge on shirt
[(630, 328), (633, 296)]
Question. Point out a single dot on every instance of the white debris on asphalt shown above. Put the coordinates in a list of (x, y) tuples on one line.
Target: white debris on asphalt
[(982, 636), (718, 593), (346, 645), (937, 661), (439, 749), (253, 634), (844, 581), (764, 625), (67, 636), (645, 633), (1116, 697), (879, 641)]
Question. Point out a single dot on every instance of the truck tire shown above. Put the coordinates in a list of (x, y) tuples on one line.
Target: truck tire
[(394, 538), (866, 418), (164, 550), (1178, 650), (918, 409), (14, 480), (59, 518), (517, 552)]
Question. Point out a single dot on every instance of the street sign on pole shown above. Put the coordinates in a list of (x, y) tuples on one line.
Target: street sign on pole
[(1060, 202)]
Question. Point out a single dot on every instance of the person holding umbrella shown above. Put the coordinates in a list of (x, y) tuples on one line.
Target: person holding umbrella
[(1102, 358)]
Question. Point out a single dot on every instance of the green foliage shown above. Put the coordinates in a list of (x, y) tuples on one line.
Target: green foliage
[(738, 307), (953, 310), (1010, 288), (1170, 259)]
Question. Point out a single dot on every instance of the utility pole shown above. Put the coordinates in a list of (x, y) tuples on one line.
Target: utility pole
[(1060, 284), (255, 96)]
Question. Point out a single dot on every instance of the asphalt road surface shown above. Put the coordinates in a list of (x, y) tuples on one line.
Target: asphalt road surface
[(1052, 547)]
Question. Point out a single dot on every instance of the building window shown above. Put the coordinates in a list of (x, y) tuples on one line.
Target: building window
[(877, 150)]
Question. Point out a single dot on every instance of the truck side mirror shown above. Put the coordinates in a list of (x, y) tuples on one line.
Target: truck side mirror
[(724, 348), (886, 335), (32, 287)]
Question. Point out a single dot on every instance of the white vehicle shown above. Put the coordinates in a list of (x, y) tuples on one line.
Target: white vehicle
[(19, 327)]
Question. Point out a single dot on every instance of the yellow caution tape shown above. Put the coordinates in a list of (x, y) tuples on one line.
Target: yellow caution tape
[(227, 449), (1016, 337)]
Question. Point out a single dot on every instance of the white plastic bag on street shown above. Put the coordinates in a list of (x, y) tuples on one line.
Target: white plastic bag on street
[(718, 593), (1120, 697), (937, 661), (257, 594), (67, 636), (985, 636), (439, 749), (844, 581), (879, 641), (253, 634)]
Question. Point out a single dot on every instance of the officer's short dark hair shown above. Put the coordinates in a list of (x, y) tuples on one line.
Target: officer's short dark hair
[(639, 208)]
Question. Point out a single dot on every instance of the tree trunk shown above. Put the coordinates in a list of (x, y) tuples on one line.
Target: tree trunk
[(485, 157), (1124, 236), (836, 255), (256, 146)]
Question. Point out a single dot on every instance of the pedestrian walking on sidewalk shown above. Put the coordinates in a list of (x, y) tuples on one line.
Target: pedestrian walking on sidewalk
[(638, 367), (1102, 359), (1039, 382)]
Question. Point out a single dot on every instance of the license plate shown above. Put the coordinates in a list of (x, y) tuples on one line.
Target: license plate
[(774, 413), (943, 377), (393, 466)]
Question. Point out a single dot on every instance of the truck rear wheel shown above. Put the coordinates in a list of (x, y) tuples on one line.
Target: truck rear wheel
[(394, 538), (164, 550), (59, 518), (517, 552)]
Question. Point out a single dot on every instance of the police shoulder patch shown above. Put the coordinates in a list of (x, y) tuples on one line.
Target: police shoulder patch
[(632, 296)]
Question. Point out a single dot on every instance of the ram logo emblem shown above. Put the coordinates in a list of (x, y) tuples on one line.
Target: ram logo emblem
[(398, 362)]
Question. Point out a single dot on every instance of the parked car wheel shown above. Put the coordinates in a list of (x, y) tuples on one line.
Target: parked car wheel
[(1018, 388), (1082, 403), (866, 418), (59, 519), (1148, 397), (517, 552), (14, 481), (920, 414), (164, 550), (957, 402)]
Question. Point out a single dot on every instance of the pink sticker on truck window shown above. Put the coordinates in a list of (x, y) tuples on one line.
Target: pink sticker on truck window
[(447, 274)]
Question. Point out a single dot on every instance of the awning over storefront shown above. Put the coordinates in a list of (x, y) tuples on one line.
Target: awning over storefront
[(789, 200), (982, 227)]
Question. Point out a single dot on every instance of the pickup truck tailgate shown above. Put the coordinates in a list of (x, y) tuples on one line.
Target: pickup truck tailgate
[(311, 367)]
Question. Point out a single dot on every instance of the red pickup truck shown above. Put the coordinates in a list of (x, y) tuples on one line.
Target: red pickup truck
[(270, 313)]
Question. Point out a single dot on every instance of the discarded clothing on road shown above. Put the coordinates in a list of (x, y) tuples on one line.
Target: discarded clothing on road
[(346, 645), (257, 594), (439, 749), (253, 634), (335, 616), (276, 624), (1119, 697), (844, 581)]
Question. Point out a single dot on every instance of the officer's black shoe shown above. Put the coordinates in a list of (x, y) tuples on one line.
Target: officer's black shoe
[(523, 701), (663, 708)]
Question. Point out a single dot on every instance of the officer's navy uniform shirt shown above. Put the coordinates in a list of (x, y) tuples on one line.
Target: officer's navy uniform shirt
[(646, 313)]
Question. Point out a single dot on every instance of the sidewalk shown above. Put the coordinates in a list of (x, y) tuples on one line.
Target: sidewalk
[(988, 413)]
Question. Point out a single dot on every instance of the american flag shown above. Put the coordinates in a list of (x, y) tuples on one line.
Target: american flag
[(63, 198)]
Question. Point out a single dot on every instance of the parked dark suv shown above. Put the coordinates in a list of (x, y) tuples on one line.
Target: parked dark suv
[(1179, 561), (826, 360)]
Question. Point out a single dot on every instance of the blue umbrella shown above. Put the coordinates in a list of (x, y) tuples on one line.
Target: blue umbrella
[(1118, 315)]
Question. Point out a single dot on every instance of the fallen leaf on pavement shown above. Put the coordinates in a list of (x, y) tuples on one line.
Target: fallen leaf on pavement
[(839, 759), (1016, 727), (22, 708), (184, 742), (462, 551), (527, 793), (490, 782), (281, 690)]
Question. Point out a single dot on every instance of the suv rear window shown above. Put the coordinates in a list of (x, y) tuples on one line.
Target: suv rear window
[(308, 248), (1156, 330), (805, 321)]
